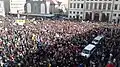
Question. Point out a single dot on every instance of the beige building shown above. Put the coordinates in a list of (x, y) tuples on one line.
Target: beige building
[(98, 10)]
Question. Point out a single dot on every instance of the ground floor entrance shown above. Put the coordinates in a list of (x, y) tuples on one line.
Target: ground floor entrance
[(104, 17)]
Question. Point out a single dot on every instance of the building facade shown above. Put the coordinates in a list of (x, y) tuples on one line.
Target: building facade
[(97, 10), (17, 6), (2, 9), (40, 7)]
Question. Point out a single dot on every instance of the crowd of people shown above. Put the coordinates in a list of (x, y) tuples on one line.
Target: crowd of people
[(55, 43)]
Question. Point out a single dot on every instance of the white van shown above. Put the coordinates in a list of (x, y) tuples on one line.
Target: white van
[(98, 39), (88, 50)]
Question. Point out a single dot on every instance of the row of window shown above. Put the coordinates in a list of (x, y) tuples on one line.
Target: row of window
[(100, 6), (94, 0), (75, 17), (15, 7), (116, 15), (73, 12), (16, 4), (82, 13), (74, 5)]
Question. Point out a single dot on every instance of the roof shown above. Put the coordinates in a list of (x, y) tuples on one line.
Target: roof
[(99, 37), (89, 47)]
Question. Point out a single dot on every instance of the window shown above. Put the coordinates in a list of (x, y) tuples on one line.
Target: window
[(86, 51), (78, 5), (87, 5), (74, 12), (114, 15), (77, 12), (36, 8), (116, 6), (109, 6), (74, 5), (104, 6), (100, 5), (28, 8), (81, 17), (81, 5), (113, 20), (91, 5), (116, 0), (81, 12), (70, 11), (70, 17), (108, 14), (118, 14), (70, 5), (95, 7)]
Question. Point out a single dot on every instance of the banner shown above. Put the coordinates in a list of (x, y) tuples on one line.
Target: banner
[(20, 22)]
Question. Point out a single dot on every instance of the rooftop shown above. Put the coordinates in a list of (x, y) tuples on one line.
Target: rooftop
[(89, 47), (99, 37)]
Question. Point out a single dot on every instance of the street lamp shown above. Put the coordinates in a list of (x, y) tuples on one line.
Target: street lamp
[(18, 15)]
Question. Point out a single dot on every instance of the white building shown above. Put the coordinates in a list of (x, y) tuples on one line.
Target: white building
[(2, 8), (98, 10), (17, 6)]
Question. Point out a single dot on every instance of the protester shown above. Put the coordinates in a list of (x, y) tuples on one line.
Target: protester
[(49, 43)]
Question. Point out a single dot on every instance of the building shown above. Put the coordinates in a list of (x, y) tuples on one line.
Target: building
[(17, 6), (7, 6), (98, 10), (40, 6), (2, 9)]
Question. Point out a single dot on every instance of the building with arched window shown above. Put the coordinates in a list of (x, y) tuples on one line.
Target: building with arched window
[(40, 6), (97, 10)]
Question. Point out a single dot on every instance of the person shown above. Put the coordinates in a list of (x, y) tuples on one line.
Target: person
[(81, 65), (110, 65), (60, 42)]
